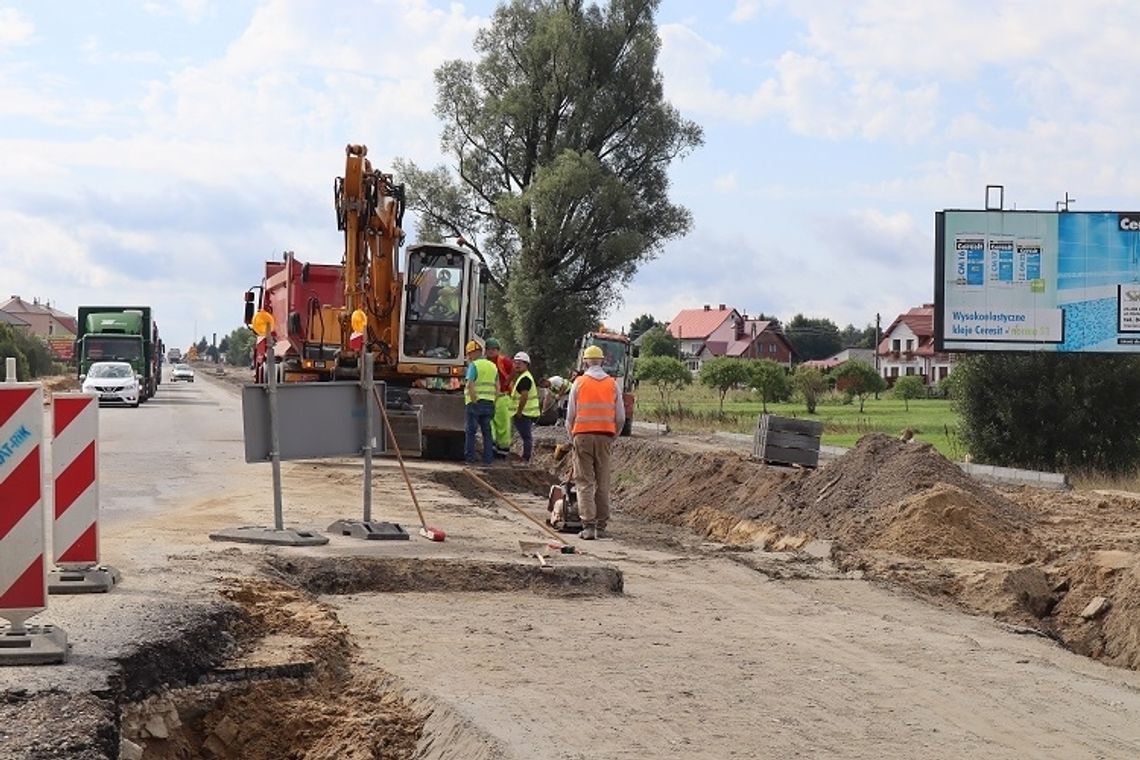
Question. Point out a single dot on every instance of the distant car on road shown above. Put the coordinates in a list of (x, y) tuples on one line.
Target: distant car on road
[(182, 372), (115, 382)]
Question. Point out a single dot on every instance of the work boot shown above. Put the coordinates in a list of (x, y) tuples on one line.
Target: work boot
[(589, 533), (600, 532)]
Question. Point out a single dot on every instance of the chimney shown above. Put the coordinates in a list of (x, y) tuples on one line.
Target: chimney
[(706, 307), (722, 307)]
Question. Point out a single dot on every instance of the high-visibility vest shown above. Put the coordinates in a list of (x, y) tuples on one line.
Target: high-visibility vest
[(595, 406), (486, 380), (531, 408)]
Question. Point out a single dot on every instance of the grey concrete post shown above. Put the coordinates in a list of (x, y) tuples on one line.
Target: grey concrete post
[(10, 369)]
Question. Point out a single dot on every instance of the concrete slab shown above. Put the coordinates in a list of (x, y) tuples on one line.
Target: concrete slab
[(369, 530), (36, 645), (92, 580), (271, 536)]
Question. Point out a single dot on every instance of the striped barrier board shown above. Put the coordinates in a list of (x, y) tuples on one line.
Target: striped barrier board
[(75, 492), (23, 577)]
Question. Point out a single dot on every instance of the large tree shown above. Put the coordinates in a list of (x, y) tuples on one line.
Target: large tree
[(560, 141), (813, 338), (640, 325)]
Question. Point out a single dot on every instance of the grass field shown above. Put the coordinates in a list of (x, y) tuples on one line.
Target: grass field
[(932, 420)]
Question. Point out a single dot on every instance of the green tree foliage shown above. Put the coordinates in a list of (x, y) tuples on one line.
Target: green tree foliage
[(1050, 411), (561, 139), (640, 325), (664, 373), (33, 358), (853, 337), (908, 387), (811, 384), (660, 342), (859, 379), (239, 347), (813, 338), (722, 374), (770, 380), (202, 345)]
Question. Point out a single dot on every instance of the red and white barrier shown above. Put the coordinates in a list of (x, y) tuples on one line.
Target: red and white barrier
[(23, 577), (74, 458)]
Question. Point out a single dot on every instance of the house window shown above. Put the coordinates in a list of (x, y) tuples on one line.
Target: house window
[(894, 371), (771, 348), (896, 345), (694, 365), (910, 370)]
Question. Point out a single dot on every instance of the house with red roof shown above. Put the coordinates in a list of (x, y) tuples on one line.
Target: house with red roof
[(706, 333), (907, 348)]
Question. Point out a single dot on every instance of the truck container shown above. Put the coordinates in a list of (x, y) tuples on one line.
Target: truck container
[(306, 301), (120, 333)]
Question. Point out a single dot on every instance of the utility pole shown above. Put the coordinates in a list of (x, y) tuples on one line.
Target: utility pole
[(878, 337)]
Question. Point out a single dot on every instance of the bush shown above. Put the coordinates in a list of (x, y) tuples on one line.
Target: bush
[(1050, 411)]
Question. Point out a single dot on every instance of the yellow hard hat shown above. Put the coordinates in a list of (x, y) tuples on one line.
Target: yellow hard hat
[(593, 352), (473, 345)]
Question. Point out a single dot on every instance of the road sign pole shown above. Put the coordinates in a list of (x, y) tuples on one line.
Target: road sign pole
[(366, 387), (274, 435)]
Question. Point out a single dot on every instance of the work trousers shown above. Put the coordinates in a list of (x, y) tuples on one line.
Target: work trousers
[(478, 420), (501, 423), (525, 426), (592, 453)]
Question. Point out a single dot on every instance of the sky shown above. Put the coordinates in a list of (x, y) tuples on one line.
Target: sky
[(159, 152)]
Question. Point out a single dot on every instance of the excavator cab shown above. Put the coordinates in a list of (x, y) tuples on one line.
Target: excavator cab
[(442, 285)]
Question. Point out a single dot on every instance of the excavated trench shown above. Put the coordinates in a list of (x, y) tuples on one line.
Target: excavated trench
[(287, 685)]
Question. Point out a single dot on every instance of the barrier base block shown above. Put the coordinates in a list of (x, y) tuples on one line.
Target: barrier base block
[(36, 645), (371, 530), (91, 580), (260, 535)]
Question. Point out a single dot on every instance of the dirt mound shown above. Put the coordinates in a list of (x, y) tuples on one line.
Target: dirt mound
[(946, 521), (853, 499)]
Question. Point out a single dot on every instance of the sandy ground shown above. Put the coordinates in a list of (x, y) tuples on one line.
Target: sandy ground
[(704, 655)]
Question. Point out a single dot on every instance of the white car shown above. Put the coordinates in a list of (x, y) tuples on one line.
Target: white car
[(181, 372), (115, 382)]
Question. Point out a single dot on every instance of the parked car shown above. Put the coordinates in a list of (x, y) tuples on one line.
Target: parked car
[(182, 372), (115, 382)]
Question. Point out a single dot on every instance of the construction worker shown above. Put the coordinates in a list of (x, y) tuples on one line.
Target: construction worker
[(482, 388), (557, 390), (594, 416), (501, 422), (524, 397)]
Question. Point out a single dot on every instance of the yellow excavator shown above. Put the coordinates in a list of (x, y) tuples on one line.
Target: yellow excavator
[(418, 319)]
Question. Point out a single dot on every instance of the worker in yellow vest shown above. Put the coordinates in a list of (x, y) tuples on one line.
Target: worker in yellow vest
[(482, 387), (524, 397), (594, 416)]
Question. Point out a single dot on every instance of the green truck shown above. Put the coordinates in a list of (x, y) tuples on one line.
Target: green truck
[(120, 333)]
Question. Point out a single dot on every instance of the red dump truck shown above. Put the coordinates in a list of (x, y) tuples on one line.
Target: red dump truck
[(306, 301)]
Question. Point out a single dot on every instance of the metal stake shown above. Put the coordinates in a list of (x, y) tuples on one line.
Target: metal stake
[(274, 437), (366, 387)]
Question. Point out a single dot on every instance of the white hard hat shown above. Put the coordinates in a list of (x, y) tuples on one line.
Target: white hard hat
[(522, 356)]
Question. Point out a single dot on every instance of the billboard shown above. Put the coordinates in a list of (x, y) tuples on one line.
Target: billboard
[(1037, 281)]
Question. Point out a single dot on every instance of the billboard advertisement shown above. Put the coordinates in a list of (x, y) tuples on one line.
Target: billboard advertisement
[(1037, 281)]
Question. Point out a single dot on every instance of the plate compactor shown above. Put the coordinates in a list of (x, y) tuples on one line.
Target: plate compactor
[(562, 508)]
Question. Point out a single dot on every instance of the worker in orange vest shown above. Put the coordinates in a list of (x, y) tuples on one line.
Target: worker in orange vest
[(594, 416)]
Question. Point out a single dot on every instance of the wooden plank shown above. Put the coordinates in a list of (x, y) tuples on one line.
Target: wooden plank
[(792, 441), (802, 457), (794, 425)]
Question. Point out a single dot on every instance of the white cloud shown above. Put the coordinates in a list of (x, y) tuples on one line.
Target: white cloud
[(745, 10), (726, 183), (191, 10), (15, 28)]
